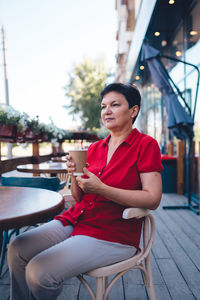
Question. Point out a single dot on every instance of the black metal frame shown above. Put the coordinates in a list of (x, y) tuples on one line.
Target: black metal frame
[(179, 92)]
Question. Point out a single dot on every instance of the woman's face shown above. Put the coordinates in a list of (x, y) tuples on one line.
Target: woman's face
[(115, 113)]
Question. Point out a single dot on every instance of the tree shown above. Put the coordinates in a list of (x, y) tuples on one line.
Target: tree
[(86, 81)]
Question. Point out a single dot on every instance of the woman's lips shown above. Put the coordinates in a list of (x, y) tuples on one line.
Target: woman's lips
[(109, 119)]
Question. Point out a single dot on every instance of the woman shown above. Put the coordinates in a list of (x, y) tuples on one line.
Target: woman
[(123, 171)]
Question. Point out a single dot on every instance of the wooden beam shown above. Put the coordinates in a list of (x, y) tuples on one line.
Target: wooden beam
[(171, 148), (180, 167), (54, 150), (36, 152), (60, 150)]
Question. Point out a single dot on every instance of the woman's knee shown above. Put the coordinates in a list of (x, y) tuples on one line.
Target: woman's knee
[(14, 250), (38, 278), (33, 278)]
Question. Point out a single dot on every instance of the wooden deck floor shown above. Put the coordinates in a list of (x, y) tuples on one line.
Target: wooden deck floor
[(175, 261)]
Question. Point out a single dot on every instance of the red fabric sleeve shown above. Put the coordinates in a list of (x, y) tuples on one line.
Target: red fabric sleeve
[(149, 159)]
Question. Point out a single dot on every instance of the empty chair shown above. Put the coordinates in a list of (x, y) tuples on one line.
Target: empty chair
[(69, 200), (14, 178)]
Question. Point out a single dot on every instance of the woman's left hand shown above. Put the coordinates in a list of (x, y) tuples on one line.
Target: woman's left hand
[(90, 185)]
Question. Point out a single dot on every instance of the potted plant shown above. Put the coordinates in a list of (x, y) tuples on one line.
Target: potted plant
[(11, 121), (44, 132), (33, 128)]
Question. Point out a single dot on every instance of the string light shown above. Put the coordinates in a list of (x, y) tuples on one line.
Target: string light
[(141, 67), (178, 53), (171, 1), (157, 33), (164, 43), (137, 77), (193, 32)]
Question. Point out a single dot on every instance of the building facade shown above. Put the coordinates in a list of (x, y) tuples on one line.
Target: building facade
[(172, 27)]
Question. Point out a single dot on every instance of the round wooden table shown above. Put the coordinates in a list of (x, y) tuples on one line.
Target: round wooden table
[(47, 167), (59, 159), (23, 206)]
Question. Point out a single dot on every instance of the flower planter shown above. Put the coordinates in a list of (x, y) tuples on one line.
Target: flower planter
[(20, 137), (44, 137), (7, 130), (29, 134)]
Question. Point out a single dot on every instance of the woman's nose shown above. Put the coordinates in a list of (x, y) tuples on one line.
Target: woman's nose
[(108, 110)]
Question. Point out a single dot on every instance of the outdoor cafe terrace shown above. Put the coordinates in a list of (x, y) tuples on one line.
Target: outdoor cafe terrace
[(175, 261), (175, 255)]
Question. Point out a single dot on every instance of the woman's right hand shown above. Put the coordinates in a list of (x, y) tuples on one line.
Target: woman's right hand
[(71, 166), (75, 189)]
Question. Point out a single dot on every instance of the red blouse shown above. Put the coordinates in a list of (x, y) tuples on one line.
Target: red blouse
[(99, 217)]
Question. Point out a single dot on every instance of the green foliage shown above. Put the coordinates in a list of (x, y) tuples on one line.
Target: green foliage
[(33, 125), (11, 116), (86, 81)]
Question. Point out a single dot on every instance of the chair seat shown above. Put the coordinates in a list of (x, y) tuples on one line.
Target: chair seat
[(117, 267)]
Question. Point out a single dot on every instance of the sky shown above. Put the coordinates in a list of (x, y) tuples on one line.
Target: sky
[(44, 39)]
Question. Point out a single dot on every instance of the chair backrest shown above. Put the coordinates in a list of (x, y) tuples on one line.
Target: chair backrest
[(51, 183), (140, 260)]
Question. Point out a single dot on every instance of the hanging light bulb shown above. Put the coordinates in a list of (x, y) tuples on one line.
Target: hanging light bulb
[(178, 53), (193, 32), (157, 33)]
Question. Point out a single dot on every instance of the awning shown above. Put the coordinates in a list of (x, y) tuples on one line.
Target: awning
[(180, 122)]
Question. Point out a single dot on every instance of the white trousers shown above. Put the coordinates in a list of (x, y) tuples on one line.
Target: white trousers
[(41, 259)]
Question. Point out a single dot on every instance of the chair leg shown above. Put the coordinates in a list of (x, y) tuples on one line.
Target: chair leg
[(152, 293), (149, 279), (6, 240), (105, 287), (16, 231), (3, 250), (100, 284)]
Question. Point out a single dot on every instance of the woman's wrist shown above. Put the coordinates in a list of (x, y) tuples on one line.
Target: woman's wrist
[(101, 188)]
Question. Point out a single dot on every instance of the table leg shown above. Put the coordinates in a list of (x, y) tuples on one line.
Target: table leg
[(1, 239)]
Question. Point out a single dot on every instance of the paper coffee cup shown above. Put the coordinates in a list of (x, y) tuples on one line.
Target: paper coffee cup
[(79, 157)]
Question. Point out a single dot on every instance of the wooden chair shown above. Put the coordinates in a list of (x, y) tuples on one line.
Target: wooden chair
[(69, 200), (141, 260), (63, 177)]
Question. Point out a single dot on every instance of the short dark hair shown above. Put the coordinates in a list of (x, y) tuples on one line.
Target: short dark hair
[(131, 93)]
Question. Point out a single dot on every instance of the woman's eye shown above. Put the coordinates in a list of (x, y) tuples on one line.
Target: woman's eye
[(115, 104), (102, 107)]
